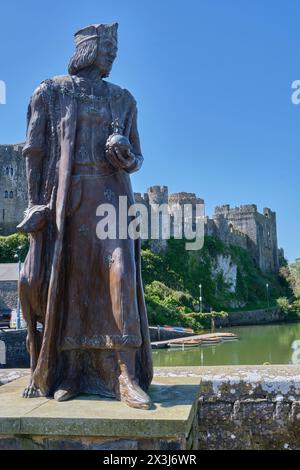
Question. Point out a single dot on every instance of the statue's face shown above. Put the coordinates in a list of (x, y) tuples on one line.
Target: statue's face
[(107, 52)]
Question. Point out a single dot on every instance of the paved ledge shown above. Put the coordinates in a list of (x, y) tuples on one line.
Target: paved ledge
[(92, 417)]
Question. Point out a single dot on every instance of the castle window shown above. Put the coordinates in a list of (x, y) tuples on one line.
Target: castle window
[(11, 194), (7, 170), (3, 214), (6, 194), (11, 171)]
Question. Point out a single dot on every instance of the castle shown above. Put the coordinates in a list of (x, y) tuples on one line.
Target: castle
[(241, 226), (13, 193)]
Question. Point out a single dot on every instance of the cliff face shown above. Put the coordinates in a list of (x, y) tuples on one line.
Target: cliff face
[(229, 277)]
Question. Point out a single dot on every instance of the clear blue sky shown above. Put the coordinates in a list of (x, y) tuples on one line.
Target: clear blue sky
[(213, 83)]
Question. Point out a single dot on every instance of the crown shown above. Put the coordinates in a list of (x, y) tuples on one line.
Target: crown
[(93, 31)]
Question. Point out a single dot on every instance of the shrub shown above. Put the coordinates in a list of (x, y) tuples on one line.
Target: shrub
[(295, 307), (283, 304), (13, 246)]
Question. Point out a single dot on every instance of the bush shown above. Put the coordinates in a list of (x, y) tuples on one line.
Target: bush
[(290, 310), (198, 320), (165, 305), (283, 304), (13, 246), (295, 307)]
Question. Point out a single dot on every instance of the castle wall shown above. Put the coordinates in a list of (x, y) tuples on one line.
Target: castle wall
[(260, 230), (13, 193)]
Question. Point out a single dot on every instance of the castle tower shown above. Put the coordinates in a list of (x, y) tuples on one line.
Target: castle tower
[(260, 229), (179, 200), (158, 195), (13, 193)]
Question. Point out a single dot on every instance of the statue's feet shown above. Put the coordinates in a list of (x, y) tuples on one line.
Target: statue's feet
[(131, 393), (67, 390), (31, 391)]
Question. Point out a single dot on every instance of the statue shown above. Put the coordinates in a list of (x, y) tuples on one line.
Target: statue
[(82, 144)]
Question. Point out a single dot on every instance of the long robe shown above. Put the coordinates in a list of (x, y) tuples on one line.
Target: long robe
[(51, 133)]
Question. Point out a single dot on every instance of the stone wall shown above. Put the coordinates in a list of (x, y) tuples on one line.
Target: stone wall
[(8, 295), (16, 354), (254, 317), (247, 407)]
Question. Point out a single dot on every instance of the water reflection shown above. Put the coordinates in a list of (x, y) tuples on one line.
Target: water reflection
[(273, 344)]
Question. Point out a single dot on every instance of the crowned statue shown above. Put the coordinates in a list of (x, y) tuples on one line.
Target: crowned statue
[(86, 292)]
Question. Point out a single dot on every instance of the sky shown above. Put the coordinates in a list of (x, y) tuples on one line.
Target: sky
[(212, 79)]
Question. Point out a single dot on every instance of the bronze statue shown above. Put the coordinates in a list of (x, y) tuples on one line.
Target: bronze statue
[(82, 144)]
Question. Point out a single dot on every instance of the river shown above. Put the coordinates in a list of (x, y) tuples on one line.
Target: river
[(273, 344)]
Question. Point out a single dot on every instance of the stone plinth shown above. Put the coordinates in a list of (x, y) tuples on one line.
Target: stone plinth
[(92, 422)]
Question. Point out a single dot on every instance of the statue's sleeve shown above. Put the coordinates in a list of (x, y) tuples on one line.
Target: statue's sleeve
[(135, 142), (36, 125), (35, 147)]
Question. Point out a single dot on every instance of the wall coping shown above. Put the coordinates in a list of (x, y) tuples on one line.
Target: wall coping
[(231, 383)]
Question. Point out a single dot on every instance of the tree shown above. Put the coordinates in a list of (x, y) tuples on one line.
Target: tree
[(294, 277)]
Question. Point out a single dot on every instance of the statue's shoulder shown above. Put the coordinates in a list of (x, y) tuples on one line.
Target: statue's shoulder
[(119, 92), (59, 81), (50, 85)]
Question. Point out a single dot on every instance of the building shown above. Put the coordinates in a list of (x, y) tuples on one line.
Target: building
[(13, 193), (241, 226)]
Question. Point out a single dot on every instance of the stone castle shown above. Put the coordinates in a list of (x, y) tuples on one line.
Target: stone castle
[(13, 193), (241, 226)]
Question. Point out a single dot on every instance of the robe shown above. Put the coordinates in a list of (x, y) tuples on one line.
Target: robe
[(52, 117)]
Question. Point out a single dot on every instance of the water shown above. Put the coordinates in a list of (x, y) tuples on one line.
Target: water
[(273, 344)]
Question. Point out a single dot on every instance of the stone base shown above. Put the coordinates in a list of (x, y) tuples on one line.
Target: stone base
[(92, 422)]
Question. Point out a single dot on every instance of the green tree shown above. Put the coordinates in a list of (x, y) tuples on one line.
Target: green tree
[(294, 277), (13, 246)]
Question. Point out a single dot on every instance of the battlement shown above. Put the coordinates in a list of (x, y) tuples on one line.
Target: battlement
[(158, 194), (269, 213), (7, 149), (141, 198), (184, 198), (242, 209)]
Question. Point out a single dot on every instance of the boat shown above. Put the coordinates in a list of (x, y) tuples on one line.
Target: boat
[(207, 339), (189, 343), (178, 328)]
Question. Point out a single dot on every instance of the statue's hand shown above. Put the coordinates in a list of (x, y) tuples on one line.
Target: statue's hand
[(35, 218), (120, 157)]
